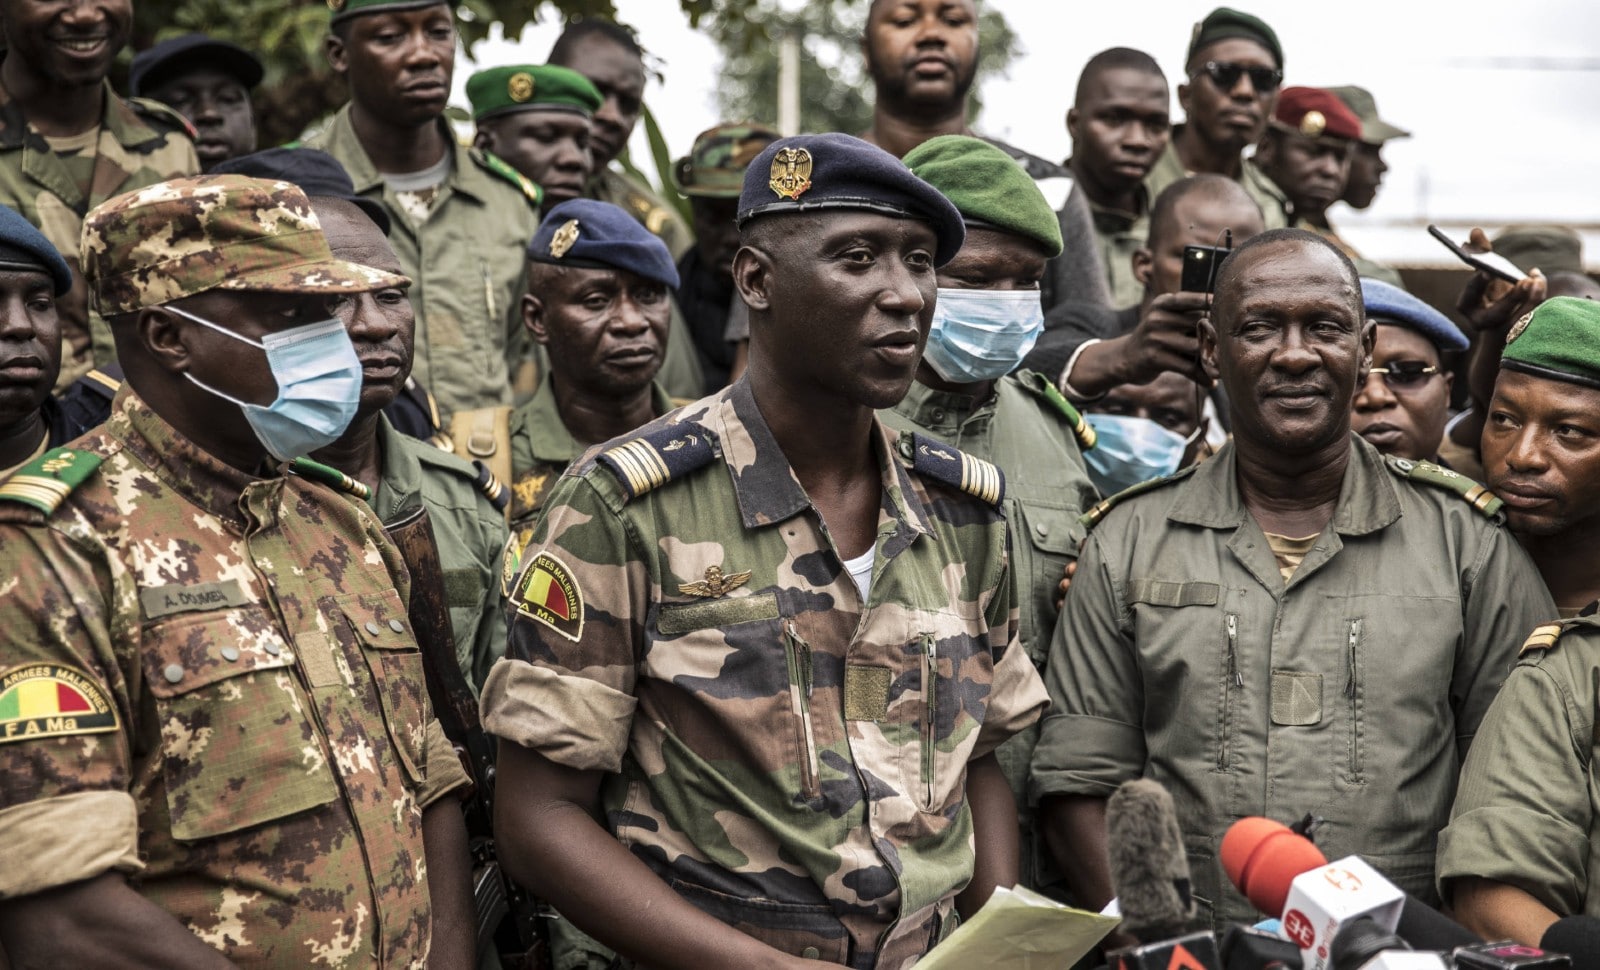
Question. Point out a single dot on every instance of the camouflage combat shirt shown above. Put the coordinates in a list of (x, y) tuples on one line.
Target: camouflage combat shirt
[(211, 685), (541, 449), (787, 758), (141, 143), (466, 263), (1035, 442)]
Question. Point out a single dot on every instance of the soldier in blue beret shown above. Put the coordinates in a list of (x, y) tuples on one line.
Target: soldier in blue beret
[(749, 709), (1402, 406), (32, 276)]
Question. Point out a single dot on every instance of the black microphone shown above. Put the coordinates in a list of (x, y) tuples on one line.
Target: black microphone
[(1577, 936), (1150, 872), (1247, 948)]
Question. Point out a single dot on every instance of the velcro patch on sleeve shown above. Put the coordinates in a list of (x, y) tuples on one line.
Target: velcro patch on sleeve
[(51, 700)]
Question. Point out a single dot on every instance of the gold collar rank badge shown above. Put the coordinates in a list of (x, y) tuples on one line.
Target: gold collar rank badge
[(520, 86), (563, 238), (715, 583), (791, 172)]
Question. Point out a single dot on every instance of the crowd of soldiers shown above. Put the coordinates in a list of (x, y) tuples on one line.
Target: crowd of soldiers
[(577, 585)]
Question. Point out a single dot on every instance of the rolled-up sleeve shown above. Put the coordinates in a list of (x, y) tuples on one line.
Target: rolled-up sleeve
[(1524, 809), (1092, 740)]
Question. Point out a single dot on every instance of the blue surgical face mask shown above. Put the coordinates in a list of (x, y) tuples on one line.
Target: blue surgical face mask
[(982, 335), (1130, 450), (319, 386)]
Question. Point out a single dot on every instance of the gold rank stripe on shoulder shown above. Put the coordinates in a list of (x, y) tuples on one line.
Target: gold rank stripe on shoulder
[(332, 477), (640, 464), (980, 478), (1486, 502), (1542, 638), (45, 482)]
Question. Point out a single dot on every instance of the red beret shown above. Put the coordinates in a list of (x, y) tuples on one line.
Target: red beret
[(1314, 112)]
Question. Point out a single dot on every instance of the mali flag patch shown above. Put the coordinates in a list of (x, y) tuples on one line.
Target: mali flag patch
[(550, 595), (49, 700)]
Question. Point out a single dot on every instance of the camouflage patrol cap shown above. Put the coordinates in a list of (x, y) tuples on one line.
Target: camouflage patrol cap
[(208, 232), (344, 9), (714, 167)]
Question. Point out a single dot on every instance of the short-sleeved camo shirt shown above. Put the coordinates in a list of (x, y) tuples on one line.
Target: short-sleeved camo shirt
[(210, 682), (788, 758)]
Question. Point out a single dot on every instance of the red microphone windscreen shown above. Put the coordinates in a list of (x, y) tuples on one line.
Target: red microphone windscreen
[(1262, 857)]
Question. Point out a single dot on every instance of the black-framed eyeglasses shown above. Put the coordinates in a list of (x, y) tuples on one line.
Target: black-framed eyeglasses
[(1225, 74), (1406, 375)]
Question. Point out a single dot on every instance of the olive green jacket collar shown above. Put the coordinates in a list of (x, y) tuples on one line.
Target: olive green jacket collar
[(1368, 500), (548, 437), (399, 477), (341, 141)]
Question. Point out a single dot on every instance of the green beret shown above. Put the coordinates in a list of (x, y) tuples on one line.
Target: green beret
[(1550, 249), (344, 9), (1224, 23), (528, 87), (1559, 340), (988, 187)]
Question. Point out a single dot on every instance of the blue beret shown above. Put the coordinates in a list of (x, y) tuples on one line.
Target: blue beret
[(23, 247), (317, 173), (598, 235), (1387, 303), (170, 57), (813, 173)]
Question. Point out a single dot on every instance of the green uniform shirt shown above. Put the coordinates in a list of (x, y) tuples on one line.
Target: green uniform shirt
[(769, 738), (1528, 811), (141, 143), (1169, 169), (1047, 489), (541, 449), (469, 531), (226, 702), (467, 266), (1351, 692), (1121, 234)]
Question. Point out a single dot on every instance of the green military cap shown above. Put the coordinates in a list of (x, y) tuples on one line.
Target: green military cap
[(988, 187), (1374, 130), (1550, 249), (212, 232), (1224, 23), (529, 87), (343, 9), (714, 167), (1559, 340)]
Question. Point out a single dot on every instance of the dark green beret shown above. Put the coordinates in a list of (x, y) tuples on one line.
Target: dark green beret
[(528, 87), (343, 9), (1559, 340), (988, 187), (1224, 23)]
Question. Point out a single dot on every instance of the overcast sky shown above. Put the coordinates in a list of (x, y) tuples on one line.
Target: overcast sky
[(1501, 97)]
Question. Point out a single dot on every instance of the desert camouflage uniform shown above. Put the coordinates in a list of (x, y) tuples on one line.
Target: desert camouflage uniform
[(253, 740), (541, 449), (141, 143), (466, 265), (768, 739), (469, 531), (1030, 431)]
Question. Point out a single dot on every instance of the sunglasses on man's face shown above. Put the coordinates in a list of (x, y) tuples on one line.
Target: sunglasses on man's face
[(1405, 375), (1225, 74)]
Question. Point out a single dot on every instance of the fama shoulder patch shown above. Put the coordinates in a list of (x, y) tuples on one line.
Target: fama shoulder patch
[(1478, 496), (954, 467), (648, 461)]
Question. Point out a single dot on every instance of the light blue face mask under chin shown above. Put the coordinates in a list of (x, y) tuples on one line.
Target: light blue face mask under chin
[(1129, 450), (982, 335), (319, 386)]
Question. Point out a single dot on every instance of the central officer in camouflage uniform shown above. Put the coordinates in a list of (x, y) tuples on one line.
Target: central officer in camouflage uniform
[(968, 392), (1298, 624), (208, 683), (768, 642)]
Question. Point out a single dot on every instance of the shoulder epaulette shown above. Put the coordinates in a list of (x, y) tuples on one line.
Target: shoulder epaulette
[(651, 460), (332, 477), (100, 383), (45, 482), (150, 108), (492, 488), (501, 168), (1046, 390), (1486, 502), (954, 467), (1092, 518), (1543, 637)]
